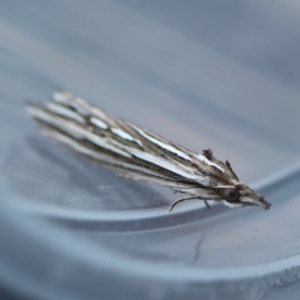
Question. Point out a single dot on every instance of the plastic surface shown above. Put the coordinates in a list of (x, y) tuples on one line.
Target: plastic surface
[(71, 229)]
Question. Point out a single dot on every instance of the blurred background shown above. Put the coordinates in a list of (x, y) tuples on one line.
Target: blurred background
[(203, 74)]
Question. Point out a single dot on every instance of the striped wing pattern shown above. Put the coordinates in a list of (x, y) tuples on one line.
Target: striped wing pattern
[(132, 150)]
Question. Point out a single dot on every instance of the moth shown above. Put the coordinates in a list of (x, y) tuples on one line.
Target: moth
[(139, 153)]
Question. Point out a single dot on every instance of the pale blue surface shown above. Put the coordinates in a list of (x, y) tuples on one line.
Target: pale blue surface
[(200, 73)]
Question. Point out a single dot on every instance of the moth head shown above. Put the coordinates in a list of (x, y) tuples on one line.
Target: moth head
[(241, 195)]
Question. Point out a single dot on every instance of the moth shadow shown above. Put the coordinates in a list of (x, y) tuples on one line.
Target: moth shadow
[(44, 171)]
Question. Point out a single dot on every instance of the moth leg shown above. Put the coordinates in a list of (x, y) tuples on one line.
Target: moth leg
[(206, 203), (180, 200)]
